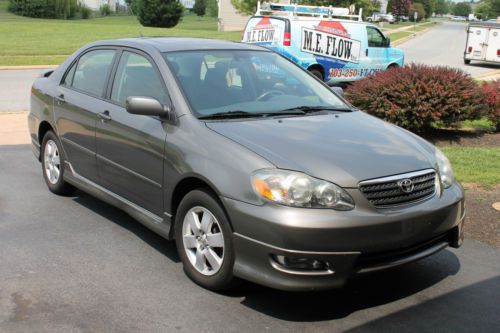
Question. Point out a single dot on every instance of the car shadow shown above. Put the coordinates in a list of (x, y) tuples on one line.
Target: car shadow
[(474, 308), (124, 220), (359, 293)]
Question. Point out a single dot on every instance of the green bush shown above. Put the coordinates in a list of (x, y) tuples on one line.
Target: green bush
[(105, 10), (160, 13), (64, 9), (416, 96), (212, 8), (200, 7), (85, 12)]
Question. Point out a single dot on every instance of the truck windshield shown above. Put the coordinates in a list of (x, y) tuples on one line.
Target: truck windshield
[(242, 82)]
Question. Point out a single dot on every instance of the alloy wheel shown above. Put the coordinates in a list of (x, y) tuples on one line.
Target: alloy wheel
[(52, 162)]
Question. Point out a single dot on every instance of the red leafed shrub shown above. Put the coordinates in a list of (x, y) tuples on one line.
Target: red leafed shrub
[(416, 96), (491, 92)]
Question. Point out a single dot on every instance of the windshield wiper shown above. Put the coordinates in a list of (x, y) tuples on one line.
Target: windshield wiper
[(245, 114), (308, 109)]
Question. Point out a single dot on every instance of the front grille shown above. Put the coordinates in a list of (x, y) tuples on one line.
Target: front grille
[(386, 192)]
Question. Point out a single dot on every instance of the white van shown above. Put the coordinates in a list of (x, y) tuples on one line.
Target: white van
[(332, 43), (483, 42)]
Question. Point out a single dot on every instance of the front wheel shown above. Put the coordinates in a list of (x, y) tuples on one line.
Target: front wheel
[(53, 165), (317, 73), (204, 240)]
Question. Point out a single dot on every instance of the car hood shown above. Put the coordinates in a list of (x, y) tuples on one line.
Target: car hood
[(342, 148)]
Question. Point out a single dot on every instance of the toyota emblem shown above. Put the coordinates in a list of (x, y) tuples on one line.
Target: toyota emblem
[(406, 185)]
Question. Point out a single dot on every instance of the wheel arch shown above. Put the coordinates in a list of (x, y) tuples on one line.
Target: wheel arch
[(43, 128), (187, 184), (318, 67)]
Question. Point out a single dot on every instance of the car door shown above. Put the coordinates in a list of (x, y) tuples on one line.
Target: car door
[(376, 53), (130, 148), (78, 99)]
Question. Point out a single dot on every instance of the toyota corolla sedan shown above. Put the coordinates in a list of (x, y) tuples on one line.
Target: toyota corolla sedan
[(254, 167)]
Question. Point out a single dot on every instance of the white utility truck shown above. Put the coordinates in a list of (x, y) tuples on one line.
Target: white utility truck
[(483, 42)]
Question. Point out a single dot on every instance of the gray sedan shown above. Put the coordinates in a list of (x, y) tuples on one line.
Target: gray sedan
[(254, 167)]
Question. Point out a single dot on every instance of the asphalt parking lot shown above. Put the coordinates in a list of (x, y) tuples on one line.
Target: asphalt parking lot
[(75, 264)]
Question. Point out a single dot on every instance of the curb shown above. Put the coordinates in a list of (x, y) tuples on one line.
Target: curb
[(6, 68), (413, 35), (490, 76)]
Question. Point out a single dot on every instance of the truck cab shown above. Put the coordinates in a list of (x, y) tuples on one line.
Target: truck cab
[(332, 43)]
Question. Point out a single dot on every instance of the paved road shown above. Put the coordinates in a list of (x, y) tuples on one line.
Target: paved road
[(15, 89), (443, 45), (75, 264)]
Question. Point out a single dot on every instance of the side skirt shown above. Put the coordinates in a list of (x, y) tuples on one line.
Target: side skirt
[(161, 226)]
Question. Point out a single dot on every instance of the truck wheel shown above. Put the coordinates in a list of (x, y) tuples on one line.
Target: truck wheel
[(467, 61), (204, 241), (316, 72), (53, 166)]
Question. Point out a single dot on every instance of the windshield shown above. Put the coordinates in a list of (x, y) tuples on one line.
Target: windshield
[(221, 81)]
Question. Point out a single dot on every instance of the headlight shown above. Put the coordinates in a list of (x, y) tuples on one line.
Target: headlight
[(444, 168), (299, 190)]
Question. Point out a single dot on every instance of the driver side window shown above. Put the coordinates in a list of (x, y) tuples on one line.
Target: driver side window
[(375, 37)]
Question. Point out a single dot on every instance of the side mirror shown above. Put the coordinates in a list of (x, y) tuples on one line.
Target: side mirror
[(387, 42), (146, 106), (338, 90)]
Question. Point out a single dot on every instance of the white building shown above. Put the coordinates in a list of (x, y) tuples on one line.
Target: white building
[(96, 4), (187, 3)]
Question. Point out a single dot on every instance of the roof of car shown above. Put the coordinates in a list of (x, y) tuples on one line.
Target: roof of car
[(172, 44)]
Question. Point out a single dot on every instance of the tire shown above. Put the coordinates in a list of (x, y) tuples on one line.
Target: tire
[(467, 61), (53, 167), (316, 72), (207, 253)]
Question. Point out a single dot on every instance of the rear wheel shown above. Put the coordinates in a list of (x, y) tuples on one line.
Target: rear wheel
[(467, 61), (204, 240), (53, 165), (316, 72)]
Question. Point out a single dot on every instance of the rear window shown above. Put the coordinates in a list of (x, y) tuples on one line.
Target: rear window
[(91, 72)]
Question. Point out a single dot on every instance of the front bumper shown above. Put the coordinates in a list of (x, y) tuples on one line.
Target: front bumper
[(360, 241)]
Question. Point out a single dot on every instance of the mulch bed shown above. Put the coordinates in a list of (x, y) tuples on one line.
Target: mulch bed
[(463, 138)]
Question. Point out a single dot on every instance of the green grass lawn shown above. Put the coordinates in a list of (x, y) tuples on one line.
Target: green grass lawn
[(28, 41), (475, 165)]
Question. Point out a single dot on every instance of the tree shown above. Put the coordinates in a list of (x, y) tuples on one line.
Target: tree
[(429, 7), (245, 6), (401, 8), (212, 8), (419, 9), (160, 13), (483, 10), (442, 7), (200, 7), (462, 9)]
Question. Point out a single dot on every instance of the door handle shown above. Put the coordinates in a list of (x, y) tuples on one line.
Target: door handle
[(60, 99), (104, 116)]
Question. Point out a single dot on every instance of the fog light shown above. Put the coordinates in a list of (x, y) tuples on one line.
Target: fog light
[(300, 265)]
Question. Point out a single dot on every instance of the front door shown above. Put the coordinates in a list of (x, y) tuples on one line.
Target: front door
[(130, 148), (377, 52), (78, 99)]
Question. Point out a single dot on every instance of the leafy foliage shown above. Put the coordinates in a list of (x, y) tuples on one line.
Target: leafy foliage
[(491, 91), (105, 10), (200, 7), (212, 8), (160, 13), (419, 9), (64, 9), (416, 96), (401, 8), (462, 9)]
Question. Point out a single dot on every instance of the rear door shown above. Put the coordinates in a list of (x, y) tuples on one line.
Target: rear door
[(493, 48), (476, 43), (79, 97), (267, 31), (130, 148)]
